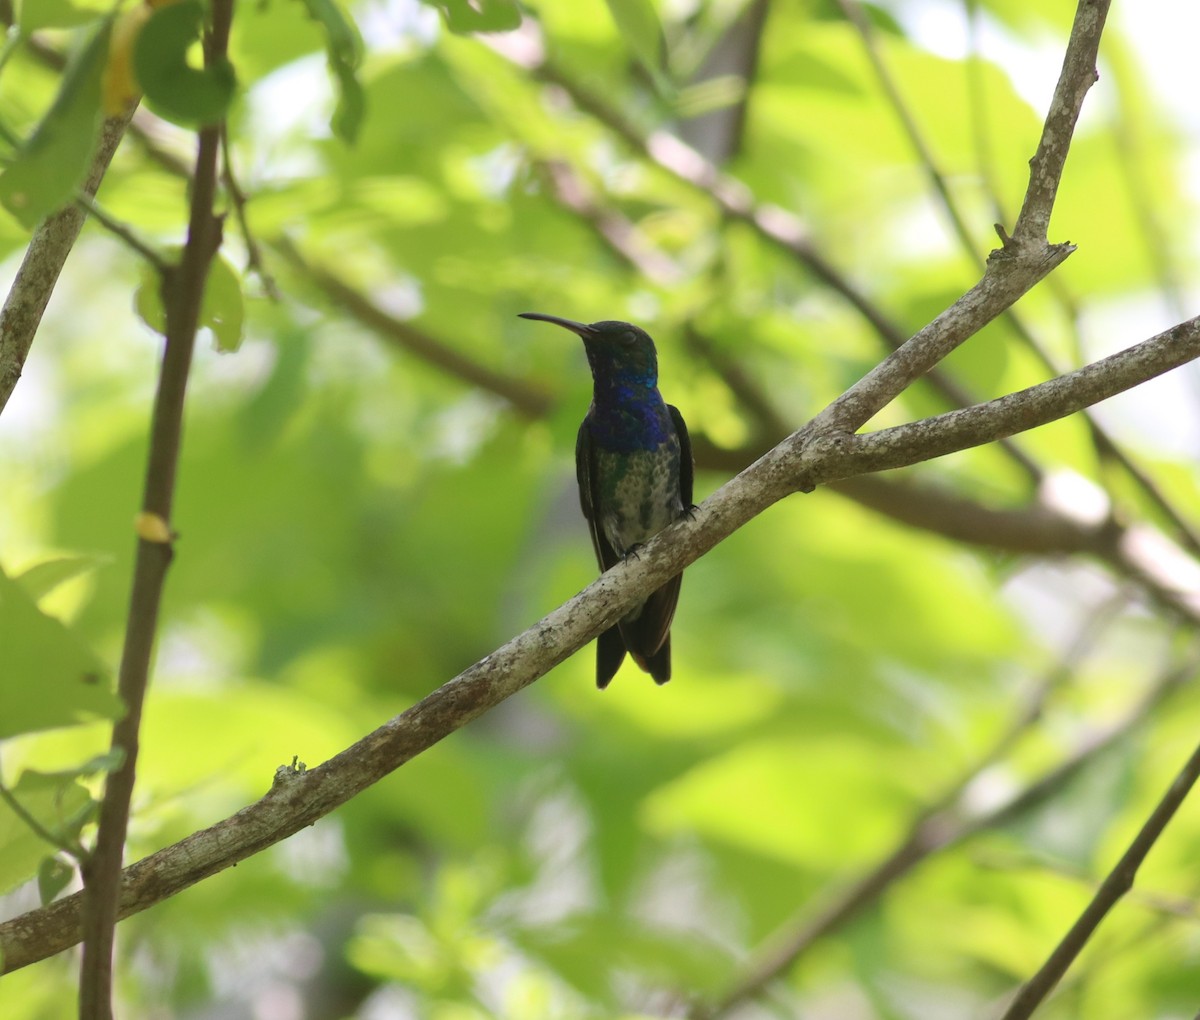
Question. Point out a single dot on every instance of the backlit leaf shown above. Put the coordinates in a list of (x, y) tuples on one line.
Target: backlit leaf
[(41, 654), (173, 88), (51, 164), (344, 50)]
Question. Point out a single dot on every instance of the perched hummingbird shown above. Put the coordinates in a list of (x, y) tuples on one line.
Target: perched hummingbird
[(633, 460)]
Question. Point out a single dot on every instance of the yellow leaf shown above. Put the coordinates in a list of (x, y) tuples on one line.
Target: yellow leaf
[(119, 85)]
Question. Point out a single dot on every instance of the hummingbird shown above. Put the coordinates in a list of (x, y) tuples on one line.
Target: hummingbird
[(633, 462)]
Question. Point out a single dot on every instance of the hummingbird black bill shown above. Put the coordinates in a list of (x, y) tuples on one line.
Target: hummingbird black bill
[(581, 329)]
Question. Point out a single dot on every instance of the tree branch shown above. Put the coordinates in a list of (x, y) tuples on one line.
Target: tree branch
[(1038, 529), (43, 262), (1077, 76), (1010, 274), (822, 450), (127, 235), (1026, 409), (1117, 883), (945, 824), (526, 399), (298, 801), (1106, 446), (183, 292)]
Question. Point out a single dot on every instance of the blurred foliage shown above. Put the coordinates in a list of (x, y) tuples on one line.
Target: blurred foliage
[(357, 525)]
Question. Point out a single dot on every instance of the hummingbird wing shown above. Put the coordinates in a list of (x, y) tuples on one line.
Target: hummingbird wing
[(610, 646), (589, 497), (648, 637), (685, 456)]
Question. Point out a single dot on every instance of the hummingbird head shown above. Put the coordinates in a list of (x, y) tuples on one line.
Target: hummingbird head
[(619, 353)]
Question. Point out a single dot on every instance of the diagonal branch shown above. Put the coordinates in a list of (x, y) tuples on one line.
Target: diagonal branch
[(43, 262), (1106, 446), (822, 450), (945, 824), (524, 398), (1026, 409), (1026, 257), (1115, 885), (298, 800)]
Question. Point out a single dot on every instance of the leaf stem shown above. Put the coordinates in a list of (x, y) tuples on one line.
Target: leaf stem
[(38, 829)]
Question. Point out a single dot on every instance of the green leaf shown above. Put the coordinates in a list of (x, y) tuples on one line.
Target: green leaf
[(223, 309), (351, 104), (344, 50), (58, 803), (52, 163), (42, 655), (464, 16), (717, 93), (53, 877), (175, 90), (37, 14), (147, 300), (42, 578), (638, 23)]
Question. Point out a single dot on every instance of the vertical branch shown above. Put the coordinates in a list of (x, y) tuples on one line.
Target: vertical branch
[(43, 262), (1077, 77), (183, 291)]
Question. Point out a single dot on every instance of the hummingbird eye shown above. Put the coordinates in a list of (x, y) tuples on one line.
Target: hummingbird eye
[(628, 338)]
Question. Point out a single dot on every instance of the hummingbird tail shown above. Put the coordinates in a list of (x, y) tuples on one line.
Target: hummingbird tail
[(647, 634), (610, 653), (657, 665)]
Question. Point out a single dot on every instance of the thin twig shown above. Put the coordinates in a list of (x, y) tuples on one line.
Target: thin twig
[(908, 124), (1025, 259), (124, 232), (1167, 906), (238, 201), (37, 828), (525, 398), (945, 824), (1077, 77), (904, 445), (1115, 885), (618, 234), (48, 249), (183, 291)]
